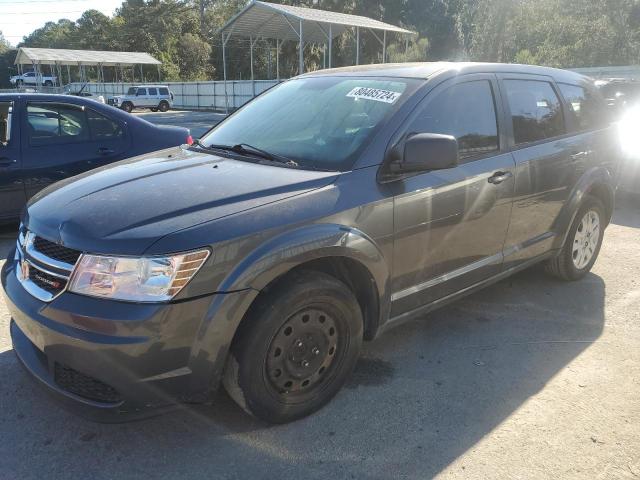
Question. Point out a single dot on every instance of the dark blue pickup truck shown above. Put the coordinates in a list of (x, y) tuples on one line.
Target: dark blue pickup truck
[(46, 138)]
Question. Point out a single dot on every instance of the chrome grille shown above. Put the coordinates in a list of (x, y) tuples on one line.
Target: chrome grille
[(43, 267)]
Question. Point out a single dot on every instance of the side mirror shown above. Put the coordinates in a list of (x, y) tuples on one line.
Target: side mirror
[(427, 151)]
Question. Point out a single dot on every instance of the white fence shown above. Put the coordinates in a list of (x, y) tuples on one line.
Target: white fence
[(193, 95), (629, 71)]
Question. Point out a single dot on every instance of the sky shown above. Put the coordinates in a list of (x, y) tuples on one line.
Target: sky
[(20, 17)]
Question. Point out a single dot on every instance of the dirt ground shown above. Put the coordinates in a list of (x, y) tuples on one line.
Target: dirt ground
[(529, 379)]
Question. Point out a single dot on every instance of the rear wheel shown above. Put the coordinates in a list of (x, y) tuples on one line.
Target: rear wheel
[(127, 107), (48, 83), (296, 349), (164, 106), (583, 242)]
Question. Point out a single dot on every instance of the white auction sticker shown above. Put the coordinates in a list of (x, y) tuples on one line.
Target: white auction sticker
[(376, 94)]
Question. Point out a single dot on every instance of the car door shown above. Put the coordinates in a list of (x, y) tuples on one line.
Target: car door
[(65, 139), (549, 162), (142, 100), (152, 94), (12, 194), (450, 225)]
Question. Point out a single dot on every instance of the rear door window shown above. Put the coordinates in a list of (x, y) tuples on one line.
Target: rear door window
[(466, 111), (102, 127), (587, 108), (536, 111), (153, 91), (51, 123)]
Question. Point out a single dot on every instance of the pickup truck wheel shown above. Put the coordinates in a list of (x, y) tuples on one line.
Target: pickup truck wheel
[(127, 107), (48, 83), (296, 349), (163, 106), (583, 242)]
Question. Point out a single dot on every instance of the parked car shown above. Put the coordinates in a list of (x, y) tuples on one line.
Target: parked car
[(623, 98), (32, 78), (46, 138), (322, 213), (83, 92), (154, 97)]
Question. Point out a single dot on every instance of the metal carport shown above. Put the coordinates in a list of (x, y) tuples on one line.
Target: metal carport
[(304, 25), (81, 58)]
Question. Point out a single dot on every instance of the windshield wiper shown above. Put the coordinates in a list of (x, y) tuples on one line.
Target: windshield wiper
[(246, 149)]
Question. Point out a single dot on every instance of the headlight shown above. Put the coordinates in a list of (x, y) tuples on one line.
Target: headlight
[(147, 279)]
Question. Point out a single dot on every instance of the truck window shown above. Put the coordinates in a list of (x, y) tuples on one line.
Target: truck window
[(536, 111), (586, 107), (153, 91), (141, 92), (51, 124), (103, 128), (466, 111), (164, 91), (5, 122)]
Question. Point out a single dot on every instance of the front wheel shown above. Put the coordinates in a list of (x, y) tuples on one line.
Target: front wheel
[(19, 83), (583, 242), (296, 348), (48, 83), (127, 107)]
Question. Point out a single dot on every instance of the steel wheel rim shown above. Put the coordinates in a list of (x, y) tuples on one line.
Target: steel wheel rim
[(302, 353), (585, 240)]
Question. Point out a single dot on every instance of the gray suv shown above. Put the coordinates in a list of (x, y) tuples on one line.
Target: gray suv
[(326, 211)]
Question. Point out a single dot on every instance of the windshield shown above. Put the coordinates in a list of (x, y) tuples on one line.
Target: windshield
[(318, 122), (132, 91)]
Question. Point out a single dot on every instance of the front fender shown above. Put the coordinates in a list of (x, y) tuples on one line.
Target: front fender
[(292, 248), (265, 263), (596, 179)]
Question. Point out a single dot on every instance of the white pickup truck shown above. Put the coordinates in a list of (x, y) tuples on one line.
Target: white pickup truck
[(31, 78)]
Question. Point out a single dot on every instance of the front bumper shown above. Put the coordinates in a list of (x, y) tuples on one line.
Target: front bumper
[(115, 360)]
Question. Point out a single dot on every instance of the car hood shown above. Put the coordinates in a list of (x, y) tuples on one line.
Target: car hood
[(125, 207)]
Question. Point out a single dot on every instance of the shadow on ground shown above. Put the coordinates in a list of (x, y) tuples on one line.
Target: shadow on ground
[(421, 396)]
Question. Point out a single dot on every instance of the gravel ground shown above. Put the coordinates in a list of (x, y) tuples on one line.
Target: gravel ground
[(530, 379)]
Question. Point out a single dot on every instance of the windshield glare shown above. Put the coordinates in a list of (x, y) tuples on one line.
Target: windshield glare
[(319, 122)]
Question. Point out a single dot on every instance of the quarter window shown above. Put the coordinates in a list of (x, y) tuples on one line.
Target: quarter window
[(536, 111), (56, 124), (585, 106), (467, 112), (164, 91)]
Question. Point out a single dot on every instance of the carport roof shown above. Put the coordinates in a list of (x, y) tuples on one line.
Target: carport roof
[(54, 56), (269, 20)]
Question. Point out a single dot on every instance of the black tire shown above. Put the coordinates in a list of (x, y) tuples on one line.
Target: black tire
[(163, 106), (48, 83), (127, 107), (154, 109), (564, 264), (307, 328), (19, 83)]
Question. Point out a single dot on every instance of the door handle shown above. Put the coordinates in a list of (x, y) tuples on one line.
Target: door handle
[(579, 155), (499, 177), (6, 162), (105, 151)]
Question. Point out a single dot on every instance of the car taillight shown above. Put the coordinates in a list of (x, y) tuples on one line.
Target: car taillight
[(189, 140)]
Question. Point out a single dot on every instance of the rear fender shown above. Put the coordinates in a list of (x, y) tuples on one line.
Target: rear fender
[(597, 178)]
